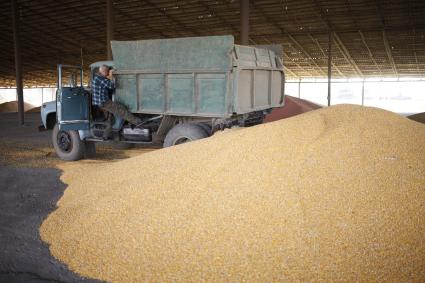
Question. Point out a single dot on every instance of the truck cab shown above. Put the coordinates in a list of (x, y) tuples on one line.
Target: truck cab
[(48, 109)]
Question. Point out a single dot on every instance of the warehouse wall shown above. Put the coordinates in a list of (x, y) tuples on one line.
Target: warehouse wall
[(400, 96), (34, 96)]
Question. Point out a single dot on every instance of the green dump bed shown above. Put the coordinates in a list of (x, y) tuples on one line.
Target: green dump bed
[(197, 76)]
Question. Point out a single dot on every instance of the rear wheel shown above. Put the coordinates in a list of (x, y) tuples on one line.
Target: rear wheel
[(206, 127), (183, 133), (67, 144)]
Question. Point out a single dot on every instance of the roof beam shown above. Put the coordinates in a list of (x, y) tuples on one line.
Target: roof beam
[(351, 30), (370, 52), (171, 18), (211, 11), (86, 35), (290, 72), (346, 54), (32, 53), (389, 53), (273, 22), (414, 53), (284, 66), (232, 27), (412, 21), (60, 39), (296, 64), (145, 25), (227, 23), (379, 7), (350, 11), (324, 55)]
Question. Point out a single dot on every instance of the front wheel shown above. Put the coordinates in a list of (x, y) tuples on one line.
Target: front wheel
[(183, 133), (67, 144)]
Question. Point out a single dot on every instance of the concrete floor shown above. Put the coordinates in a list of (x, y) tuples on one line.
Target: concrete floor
[(27, 195)]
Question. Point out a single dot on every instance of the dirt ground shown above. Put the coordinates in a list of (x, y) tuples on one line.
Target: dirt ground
[(29, 189)]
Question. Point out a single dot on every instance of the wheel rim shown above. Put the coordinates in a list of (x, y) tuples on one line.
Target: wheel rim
[(64, 141), (182, 140)]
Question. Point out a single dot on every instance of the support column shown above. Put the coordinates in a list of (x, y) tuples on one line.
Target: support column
[(109, 27), (18, 63), (329, 67), (244, 22), (363, 93), (299, 88)]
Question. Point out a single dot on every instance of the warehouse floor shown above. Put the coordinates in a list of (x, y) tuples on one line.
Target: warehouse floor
[(29, 189), (28, 193)]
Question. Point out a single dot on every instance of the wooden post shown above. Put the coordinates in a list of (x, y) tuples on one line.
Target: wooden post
[(244, 17), (299, 88), (329, 67), (109, 27), (18, 63)]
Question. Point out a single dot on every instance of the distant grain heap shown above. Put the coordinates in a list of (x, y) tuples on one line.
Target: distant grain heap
[(335, 194), (12, 106), (420, 117)]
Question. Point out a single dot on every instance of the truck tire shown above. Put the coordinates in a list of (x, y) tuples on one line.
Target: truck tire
[(206, 127), (67, 144), (183, 133)]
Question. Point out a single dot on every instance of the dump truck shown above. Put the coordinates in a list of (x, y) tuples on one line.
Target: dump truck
[(183, 89)]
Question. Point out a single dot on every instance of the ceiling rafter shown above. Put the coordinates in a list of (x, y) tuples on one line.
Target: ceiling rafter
[(324, 55), (55, 31), (173, 19), (350, 12), (299, 46), (336, 37), (384, 36), (369, 52)]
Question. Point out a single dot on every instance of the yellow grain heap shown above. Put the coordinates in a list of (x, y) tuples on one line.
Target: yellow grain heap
[(334, 194)]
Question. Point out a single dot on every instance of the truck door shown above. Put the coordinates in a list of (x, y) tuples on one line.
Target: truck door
[(72, 100)]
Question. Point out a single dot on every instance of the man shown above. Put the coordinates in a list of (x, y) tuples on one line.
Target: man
[(102, 86)]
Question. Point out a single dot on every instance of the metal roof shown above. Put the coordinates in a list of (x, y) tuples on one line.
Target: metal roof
[(371, 38)]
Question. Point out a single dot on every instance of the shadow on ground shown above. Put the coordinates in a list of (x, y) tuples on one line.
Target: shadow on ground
[(27, 196)]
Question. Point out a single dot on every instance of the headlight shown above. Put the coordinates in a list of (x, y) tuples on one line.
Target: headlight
[(44, 105)]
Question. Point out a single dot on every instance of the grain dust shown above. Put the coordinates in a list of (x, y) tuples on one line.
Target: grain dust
[(337, 194)]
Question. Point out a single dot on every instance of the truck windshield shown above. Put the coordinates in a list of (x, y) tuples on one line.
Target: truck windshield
[(70, 76)]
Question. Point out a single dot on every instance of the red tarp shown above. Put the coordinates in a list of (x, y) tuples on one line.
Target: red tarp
[(293, 106)]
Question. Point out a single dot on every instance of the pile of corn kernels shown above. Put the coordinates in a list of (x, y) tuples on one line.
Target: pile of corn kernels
[(337, 194)]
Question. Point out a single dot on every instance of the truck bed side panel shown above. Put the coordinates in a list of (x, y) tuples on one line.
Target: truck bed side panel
[(191, 94)]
